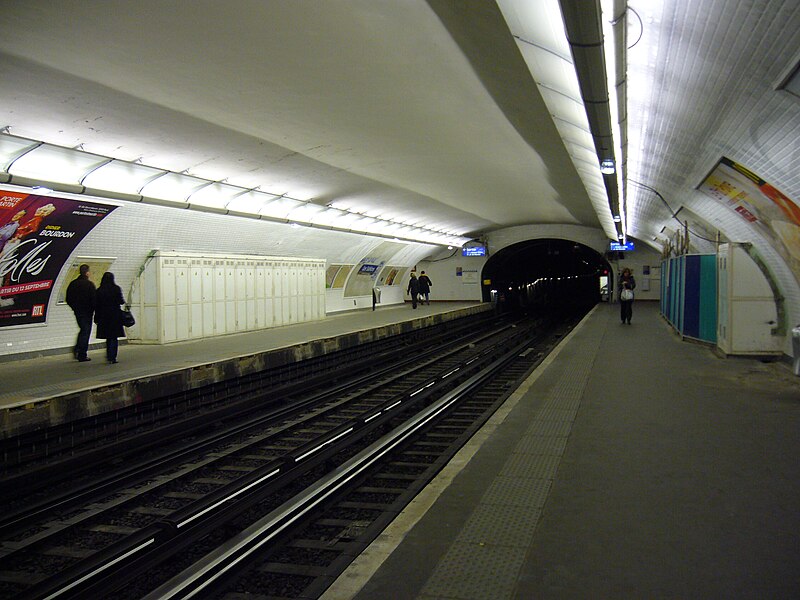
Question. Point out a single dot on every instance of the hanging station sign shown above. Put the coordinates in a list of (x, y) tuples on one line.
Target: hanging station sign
[(620, 247)]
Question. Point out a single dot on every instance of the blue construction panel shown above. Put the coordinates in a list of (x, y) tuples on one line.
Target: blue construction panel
[(680, 265), (691, 297)]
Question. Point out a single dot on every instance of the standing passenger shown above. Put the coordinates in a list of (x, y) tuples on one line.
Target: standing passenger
[(81, 298), (413, 289), (109, 315), (425, 284), (626, 286)]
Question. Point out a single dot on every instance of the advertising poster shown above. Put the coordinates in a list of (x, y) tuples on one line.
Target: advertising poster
[(37, 236), (756, 201)]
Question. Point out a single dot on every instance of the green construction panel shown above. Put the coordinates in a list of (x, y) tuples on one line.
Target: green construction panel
[(708, 297)]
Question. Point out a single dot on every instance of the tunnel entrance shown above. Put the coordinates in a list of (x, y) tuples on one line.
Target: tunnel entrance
[(544, 273)]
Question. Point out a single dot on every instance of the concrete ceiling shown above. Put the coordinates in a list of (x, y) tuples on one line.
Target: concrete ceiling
[(425, 113), (376, 106)]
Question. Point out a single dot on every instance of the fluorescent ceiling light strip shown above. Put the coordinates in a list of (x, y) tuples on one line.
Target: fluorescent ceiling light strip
[(215, 194), (609, 49), (77, 167), (172, 187), (122, 177), (12, 148), (56, 164), (553, 71)]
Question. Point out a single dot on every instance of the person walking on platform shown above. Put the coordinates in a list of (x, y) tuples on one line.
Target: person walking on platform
[(413, 289), (81, 298), (425, 284), (626, 286), (108, 315)]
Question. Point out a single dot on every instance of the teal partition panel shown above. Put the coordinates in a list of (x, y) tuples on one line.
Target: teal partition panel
[(691, 301), (708, 298)]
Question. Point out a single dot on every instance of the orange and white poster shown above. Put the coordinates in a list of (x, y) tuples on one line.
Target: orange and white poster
[(759, 203)]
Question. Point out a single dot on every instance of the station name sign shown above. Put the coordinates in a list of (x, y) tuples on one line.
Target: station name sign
[(473, 251), (617, 247)]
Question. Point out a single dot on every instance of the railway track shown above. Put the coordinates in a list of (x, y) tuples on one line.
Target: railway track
[(44, 455), (134, 539)]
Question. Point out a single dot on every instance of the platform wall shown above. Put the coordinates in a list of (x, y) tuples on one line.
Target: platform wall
[(131, 232)]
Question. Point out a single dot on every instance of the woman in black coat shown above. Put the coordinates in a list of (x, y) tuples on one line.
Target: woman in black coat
[(626, 286), (108, 315)]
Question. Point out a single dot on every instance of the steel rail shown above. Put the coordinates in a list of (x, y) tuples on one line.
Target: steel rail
[(218, 564), (90, 574), (246, 389), (13, 522)]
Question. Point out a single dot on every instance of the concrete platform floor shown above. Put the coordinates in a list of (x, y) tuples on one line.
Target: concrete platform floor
[(632, 465), (35, 379)]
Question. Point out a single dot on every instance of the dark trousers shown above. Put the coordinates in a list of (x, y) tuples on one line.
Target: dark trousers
[(112, 345), (84, 332), (413, 300), (626, 310)]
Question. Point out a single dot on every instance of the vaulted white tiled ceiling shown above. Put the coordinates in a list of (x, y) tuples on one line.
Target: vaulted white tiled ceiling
[(702, 85), (418, 112), (538, 29), (444, 114)]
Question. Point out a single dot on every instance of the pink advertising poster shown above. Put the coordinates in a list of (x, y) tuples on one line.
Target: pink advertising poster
[(37, 236)]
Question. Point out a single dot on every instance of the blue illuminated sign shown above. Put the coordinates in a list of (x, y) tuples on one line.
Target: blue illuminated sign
[(617, 247), (368, 269), (473, 251)]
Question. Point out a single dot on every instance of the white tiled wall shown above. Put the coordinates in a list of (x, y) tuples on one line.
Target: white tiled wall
[(133, 230)]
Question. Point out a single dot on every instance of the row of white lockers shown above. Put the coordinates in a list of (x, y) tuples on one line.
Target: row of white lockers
[(184, 297)]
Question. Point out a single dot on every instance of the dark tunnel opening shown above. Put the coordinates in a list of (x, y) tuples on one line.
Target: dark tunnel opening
[(544, 274)]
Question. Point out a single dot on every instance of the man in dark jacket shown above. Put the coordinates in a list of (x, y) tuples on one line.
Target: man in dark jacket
[(413, 289), (81, 297)]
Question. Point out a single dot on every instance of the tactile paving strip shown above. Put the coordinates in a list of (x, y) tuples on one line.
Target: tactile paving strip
[(539, 444), (531, 466), (456, 576), (516, 491), (504, 525), (500, 529), (546, 428), (557, 414)]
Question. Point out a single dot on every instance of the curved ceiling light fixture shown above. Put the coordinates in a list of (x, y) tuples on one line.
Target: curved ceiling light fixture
[(541, 35), (29, 163)]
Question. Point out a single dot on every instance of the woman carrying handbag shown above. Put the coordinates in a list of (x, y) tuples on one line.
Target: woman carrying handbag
[(108, 315), (626, 286)]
